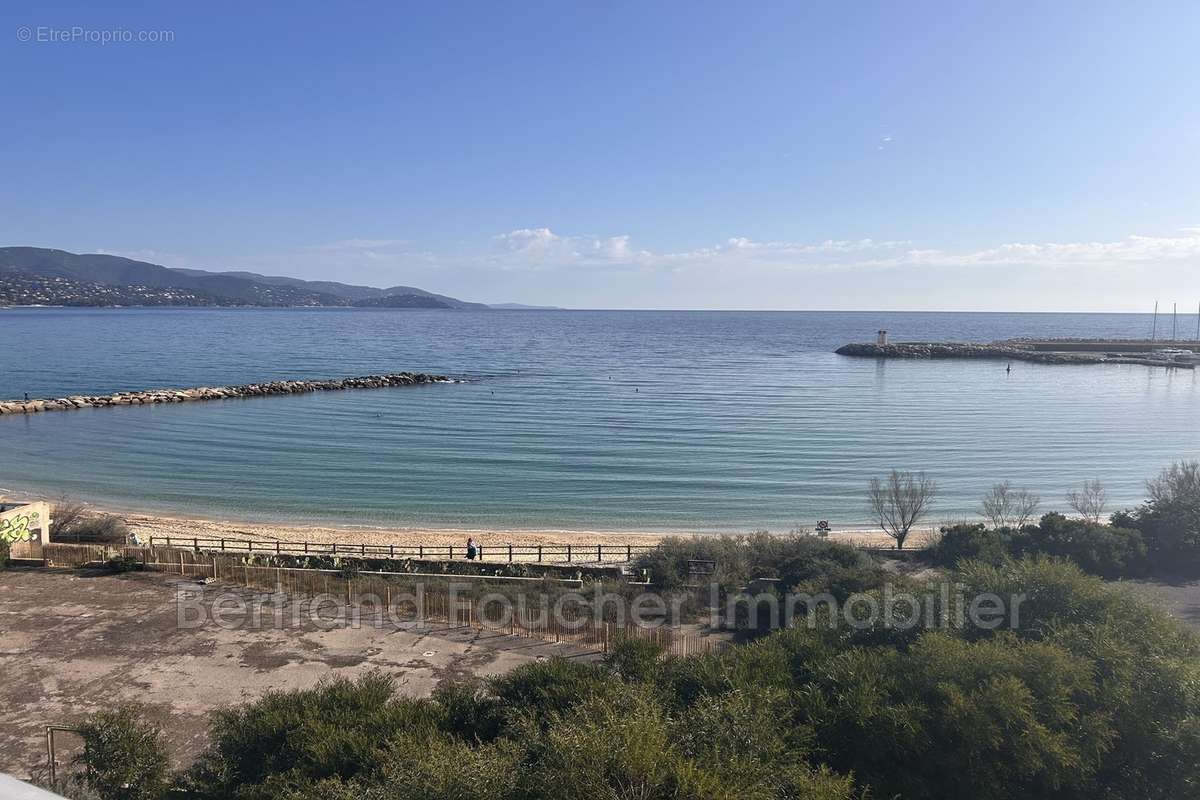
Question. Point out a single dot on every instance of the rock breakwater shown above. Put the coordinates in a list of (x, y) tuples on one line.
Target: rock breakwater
[(1008, 351), (156, 396)]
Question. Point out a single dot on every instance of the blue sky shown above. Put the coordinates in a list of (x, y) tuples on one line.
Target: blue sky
[(959, 155)]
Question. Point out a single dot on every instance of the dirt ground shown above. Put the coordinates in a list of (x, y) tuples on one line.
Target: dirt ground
[(1180, 599), (71, 644)]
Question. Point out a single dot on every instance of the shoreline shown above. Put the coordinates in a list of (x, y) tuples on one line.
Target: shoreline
[(146, 523)]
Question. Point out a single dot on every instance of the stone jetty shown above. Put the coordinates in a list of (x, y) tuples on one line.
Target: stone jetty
[(156, 396), (1012, 350)]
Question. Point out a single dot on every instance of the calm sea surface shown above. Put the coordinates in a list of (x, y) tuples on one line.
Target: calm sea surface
[(574, 419)]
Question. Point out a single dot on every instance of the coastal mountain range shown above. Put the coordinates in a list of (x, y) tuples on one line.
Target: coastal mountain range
[(42, 276)]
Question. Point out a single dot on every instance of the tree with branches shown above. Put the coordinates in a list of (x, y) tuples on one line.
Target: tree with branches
[(1088, 500), (900, 501), (1006, 507)]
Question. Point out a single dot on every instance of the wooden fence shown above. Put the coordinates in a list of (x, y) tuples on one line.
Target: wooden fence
[(389, 593), (540, 553)]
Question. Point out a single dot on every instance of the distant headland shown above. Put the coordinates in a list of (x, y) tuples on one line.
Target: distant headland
[(37, 276)]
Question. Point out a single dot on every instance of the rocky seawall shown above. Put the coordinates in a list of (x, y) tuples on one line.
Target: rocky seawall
[(155, 396), (996, 351)]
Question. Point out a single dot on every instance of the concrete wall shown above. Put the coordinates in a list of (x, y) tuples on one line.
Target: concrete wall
[(27, 524)]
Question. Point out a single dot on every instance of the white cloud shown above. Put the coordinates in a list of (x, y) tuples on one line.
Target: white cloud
[(541, 248), (1131, 250)]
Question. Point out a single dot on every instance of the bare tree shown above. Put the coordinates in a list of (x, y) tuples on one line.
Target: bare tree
[(66, 518), (71, 521), (900, 501), (1088, 500), (1005, 506), (1180, 481)]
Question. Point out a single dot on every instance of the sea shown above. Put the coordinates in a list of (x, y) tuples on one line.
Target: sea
[(575, 420)]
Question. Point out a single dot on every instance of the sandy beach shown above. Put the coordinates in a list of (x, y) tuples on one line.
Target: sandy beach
[(146, 524)]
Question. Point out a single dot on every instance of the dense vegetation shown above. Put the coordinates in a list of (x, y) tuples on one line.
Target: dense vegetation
[(1159, 538), (1092, 694), (1106, 550), (795, 561)]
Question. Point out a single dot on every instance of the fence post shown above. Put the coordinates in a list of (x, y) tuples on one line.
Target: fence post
[(510, 552), (364, 551), (452, 554), (276, 547), (568, 553), (392, 551), (539, 554), (195, 544), (629, 552), (306, 548), (599, 553), (335, 548), (222, 545), (421, 551), (249, 545)]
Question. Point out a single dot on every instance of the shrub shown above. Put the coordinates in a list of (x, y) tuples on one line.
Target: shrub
[(1099, 549), (469, 710), (741, 557), (550, 686), (1145, 667), (123, 756), (338, 729), (72, 522), (970, 542), (634, 659), (122, 564), (1170, 520), (5, 551)]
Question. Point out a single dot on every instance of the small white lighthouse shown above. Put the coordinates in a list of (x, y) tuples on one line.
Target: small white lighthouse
[(882, 340)]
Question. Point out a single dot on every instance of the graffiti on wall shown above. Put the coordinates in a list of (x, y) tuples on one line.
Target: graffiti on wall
[(19, 524)]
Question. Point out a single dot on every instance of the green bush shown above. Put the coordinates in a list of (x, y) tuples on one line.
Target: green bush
[(741, 557), (551, 686), (1099, 549), (339, 729), (634, 659), (1110, 551), (1085, 694), (469, 710), (123, 756), (1169, 521), (970, 542)]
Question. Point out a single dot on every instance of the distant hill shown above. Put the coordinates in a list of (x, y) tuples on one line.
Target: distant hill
[(41, 276), (403, 300)]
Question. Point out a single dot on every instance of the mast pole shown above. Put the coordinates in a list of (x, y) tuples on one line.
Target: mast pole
[(1154, 329)]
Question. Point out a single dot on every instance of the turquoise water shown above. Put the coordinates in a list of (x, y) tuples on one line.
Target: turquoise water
[(577, 420)]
